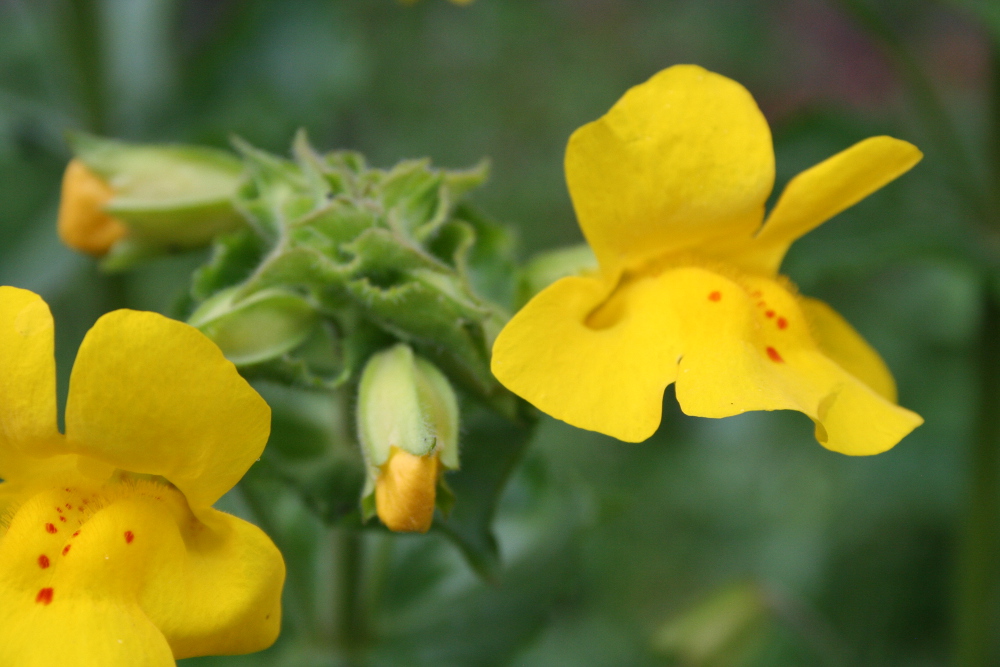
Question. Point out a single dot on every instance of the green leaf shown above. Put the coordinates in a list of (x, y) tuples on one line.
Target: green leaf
[(490, 448)]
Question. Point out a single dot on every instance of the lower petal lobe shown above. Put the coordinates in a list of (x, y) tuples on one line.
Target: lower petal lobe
[(125, 574), (732, 343), (602, 369), (757, 350)]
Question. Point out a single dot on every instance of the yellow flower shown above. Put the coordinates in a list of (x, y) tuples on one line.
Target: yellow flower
[(669, 189), (110, 551)]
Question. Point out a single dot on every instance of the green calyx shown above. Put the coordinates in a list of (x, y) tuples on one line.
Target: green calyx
[(168, 196), (378, 256), (261, 327), (404, 401)]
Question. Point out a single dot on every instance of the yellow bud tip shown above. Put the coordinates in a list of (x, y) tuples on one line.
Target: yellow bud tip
[(405, 491), (83, 225)]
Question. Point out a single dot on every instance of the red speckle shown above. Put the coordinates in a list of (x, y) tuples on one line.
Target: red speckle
[(761, 304), (129, 537), (774, 356), (715, 296), (770, 313), (782, 323), (68, 490), (68, 506), (44, 596), (43, 561), (51, 528), (59, 509), (76, 533), (756, 293), (66, 549), (63, 519)]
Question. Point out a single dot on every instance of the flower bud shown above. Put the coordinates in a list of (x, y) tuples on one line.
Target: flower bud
[(260, 327), (408, 428), (154, 196), (83, 225)]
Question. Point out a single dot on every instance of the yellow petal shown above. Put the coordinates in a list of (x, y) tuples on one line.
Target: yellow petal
[(607, 375), (405, 491), (126, 575), (152, 395), (83, 225), (753, 349), (733, 344), (842, 344), (27, 381), (681, 161), (823, 191)]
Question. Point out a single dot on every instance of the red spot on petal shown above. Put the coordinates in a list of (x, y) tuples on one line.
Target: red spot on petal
[(68, 490), (43, 561), (63, 519), (770, 313), (59, 509), (44, 596), (761, 304), (782, 323), (129, 537), (774, 356), (51, 528), (715, 296), (76, 533), (66, 549), (68, 506)]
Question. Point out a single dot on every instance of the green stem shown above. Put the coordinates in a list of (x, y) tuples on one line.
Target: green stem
[(977, 567), (350, 614), (83, 32)]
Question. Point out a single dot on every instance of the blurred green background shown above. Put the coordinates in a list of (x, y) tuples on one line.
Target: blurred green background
[(607, 547)]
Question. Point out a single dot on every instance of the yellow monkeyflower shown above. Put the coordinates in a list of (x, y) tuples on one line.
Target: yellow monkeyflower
[(111, 554), (669, 189)]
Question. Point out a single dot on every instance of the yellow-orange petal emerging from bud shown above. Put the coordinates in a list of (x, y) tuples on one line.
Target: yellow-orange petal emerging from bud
[(83, 225), (405, 491)]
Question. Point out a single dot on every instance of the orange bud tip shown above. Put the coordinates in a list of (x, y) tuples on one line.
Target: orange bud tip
[(405, 491), (83, 225)]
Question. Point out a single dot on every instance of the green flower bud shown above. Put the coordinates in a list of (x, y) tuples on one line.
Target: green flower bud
[(166, 196), (408, 429), (260, 327)]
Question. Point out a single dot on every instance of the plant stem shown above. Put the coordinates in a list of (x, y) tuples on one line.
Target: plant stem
[(350, 614), (977, 567), (83, 32)]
